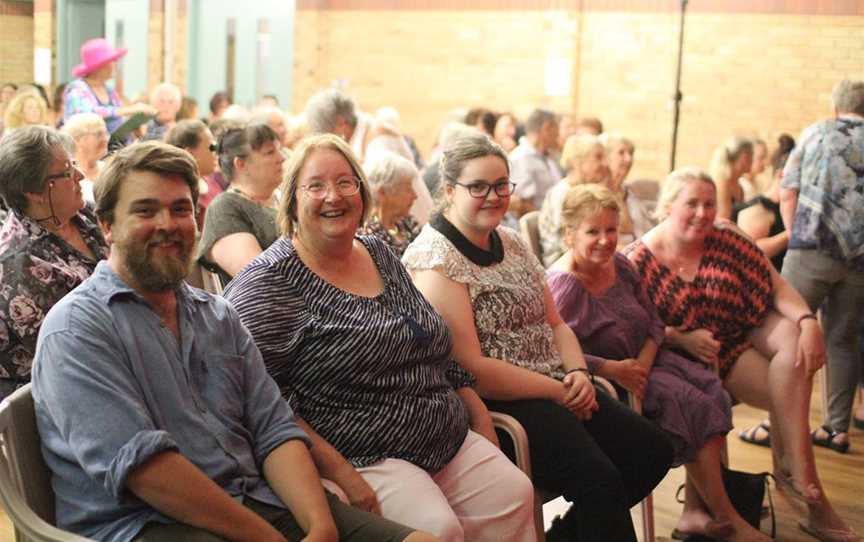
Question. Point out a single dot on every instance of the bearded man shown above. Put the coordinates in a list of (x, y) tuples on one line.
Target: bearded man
[(157, 417)]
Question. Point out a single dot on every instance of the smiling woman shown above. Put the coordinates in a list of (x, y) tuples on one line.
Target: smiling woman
[(491, 291), (49, 242), (365, 362)]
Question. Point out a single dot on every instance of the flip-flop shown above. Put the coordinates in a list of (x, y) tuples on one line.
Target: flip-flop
[(749, 435), (858, 423), (828, 442), (830, 535)]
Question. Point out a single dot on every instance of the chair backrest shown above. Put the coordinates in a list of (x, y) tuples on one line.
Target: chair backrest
[(530, 229), (212, 282), (25, 480)]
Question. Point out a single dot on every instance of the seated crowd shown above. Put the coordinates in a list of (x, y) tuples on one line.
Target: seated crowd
[(377, 308)]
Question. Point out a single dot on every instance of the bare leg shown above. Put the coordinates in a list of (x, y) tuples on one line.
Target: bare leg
[(705, 473), (788, 400)]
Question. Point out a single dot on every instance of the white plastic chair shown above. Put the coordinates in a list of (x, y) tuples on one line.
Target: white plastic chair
[(25, 481)]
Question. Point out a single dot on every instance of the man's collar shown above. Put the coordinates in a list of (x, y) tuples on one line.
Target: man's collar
[(109, 285)]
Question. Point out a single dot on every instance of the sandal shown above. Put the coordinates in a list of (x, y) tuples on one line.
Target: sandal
[(749, 435), (830, 535), (787, 486), (828, 442)]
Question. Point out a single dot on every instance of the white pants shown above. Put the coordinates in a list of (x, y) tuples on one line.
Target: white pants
[(479, 496)]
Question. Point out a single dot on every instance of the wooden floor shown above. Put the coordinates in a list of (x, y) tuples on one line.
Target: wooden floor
[(842, 476)]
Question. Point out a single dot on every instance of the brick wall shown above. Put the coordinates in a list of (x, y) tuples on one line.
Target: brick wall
[(16, 41), (751, 72)]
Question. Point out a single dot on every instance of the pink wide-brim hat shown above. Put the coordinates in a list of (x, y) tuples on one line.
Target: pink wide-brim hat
[(96, 53)]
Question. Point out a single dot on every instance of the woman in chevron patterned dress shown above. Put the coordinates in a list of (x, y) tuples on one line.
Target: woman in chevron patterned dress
[(725, 305)]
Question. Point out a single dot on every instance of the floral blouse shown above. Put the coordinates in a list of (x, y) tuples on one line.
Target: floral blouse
[(407, 230), (78, 97), (37, 268), (507, 297)]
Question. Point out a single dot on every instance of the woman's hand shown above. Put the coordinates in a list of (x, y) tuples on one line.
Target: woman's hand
[(579, 395), (486, 429), (811, 346), (701, 344), (630, 374), (360, 494)]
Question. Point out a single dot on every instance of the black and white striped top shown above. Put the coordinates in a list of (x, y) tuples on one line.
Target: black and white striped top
[(373, 376)]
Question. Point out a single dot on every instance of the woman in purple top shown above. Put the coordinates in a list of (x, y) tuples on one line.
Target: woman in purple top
[(599, 296)]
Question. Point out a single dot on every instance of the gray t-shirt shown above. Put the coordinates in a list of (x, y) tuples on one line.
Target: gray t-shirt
[(231, 213)]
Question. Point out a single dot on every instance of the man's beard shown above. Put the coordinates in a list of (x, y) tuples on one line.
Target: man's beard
[(166, 273)]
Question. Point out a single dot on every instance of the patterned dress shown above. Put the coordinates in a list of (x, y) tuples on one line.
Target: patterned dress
[(373, 376), (37, 268), (78, 97), (507, 298), (729, 296), (406, 231), (683, 397)]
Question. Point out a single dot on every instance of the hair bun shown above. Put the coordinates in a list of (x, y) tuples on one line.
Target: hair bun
[(785, 143)]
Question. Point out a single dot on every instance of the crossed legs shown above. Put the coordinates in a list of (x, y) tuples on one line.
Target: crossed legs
[(784, 390)]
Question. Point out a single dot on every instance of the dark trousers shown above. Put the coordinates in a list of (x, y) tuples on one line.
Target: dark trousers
[(603, 466), (354, 525)]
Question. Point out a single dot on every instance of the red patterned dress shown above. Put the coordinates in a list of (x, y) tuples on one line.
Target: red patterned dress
[(729, 296)]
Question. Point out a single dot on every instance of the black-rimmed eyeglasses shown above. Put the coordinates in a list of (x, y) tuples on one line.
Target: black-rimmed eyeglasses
[(72, 168), (481, 190)]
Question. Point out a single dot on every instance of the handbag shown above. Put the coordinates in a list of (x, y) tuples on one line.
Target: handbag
[(746, 491)]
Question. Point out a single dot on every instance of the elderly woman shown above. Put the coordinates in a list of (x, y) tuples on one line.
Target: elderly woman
[(492, 293), (726, 306), (194, 137), (599, 296), (241, 222), (166, 98), (391, 179), (584, 158), (27, 108), (729, 162), (365, 362), (49, 242), (90, 135), (91, 91)]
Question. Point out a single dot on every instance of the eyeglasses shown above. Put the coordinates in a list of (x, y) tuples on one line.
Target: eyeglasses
[(481, 190), (345, 186), (72, 168), (213, 147)]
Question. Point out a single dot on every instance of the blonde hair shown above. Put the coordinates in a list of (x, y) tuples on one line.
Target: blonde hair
[(584, 200), (725, 155), (577, 148), (82, 123), (674, 184), (14, 116), (287, 218)]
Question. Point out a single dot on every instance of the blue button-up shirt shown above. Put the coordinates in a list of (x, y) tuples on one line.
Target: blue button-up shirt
[(113, 387), (827, 170)]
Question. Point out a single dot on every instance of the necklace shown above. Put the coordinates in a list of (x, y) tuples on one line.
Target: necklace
[(268, 202)]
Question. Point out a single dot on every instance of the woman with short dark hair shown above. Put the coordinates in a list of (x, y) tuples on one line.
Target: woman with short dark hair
[(241, 222)]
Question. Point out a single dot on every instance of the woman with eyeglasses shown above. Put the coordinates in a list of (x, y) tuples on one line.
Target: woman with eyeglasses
[(365, 362), (491, 290), (194, 137), (49, 242), (241, 222)]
